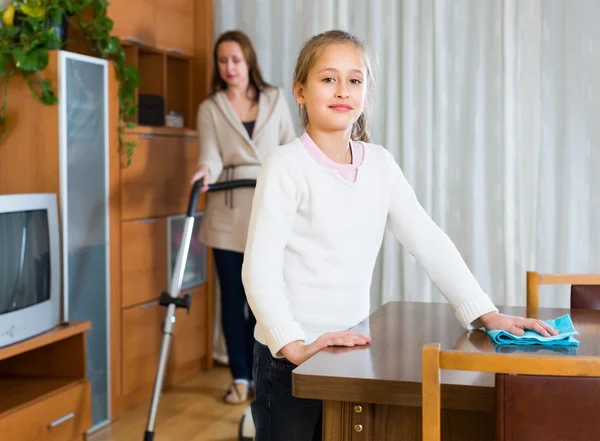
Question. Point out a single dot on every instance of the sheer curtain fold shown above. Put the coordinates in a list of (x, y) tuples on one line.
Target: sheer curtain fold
[(489, 107)]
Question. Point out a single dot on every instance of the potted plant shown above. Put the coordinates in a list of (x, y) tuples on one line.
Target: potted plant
[(32, 28)]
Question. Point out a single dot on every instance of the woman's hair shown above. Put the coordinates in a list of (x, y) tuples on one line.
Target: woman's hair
[(307, 58), (255, 79)]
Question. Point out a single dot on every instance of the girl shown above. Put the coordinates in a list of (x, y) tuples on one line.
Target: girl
[(238, 124), (321, 206)]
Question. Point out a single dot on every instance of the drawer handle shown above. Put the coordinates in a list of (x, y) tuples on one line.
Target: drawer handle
[(175, 50), (61, 420), (358, 408), (145, 136), (358, 427)]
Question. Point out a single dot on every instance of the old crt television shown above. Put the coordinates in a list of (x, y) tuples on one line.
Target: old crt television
[(30, 297)]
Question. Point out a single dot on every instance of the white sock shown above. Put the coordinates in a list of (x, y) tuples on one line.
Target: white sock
[(241, 381)]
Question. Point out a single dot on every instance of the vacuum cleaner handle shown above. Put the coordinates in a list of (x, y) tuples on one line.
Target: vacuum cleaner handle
[(219, 186)]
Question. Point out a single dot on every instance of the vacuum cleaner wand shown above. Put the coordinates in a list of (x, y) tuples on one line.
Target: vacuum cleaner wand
[(171, 298)]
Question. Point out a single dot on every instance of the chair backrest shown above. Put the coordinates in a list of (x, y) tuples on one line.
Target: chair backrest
[(434, 359), (535, 279)]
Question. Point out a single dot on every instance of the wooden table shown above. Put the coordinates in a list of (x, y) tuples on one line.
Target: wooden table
[(374, 392)]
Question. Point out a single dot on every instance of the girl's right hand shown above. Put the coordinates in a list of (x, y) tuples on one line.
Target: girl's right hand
[(203, 172), (297, 352)]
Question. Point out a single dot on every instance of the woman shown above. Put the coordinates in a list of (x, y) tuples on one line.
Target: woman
[(243, 118)]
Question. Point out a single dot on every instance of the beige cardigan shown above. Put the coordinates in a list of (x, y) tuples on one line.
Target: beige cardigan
[(229, 153)]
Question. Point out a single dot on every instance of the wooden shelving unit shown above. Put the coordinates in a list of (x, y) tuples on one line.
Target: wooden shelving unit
[(166, 74), (44, 392)]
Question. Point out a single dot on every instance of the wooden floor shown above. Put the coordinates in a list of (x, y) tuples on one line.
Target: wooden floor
[(190, 411)]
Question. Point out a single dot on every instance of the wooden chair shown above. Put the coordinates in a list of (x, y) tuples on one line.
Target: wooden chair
[(435, 359), (585, 288)]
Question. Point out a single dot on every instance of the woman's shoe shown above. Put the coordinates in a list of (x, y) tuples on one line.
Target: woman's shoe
[(236, 394)]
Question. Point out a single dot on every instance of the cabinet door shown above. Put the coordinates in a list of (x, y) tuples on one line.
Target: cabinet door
[(175, 25), (144, 260), (189, 338), (181, 159), (142, 336), (84, 147), (143, 183), (134, 20)]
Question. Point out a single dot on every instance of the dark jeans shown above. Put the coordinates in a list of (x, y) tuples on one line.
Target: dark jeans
[(277, 415), (236, 316)]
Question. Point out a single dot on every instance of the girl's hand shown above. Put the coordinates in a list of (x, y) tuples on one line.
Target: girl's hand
[(203, 172), (515, 325), (297, 352)]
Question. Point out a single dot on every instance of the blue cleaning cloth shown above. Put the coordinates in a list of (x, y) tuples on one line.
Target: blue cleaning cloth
[(562, 324)]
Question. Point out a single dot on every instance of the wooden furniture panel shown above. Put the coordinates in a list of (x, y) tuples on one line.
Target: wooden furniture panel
[(141, 346), (63, 416), (29, 153), (182, 159), (345, 421), (175, 25), (188, 348), (203, 48), (134, 20), (153, 69), (143, 189), (144, 257), (155, 185), (44, 392), (179, 85)]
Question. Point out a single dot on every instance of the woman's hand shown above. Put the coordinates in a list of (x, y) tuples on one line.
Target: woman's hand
[(297, 352), (203, 172), (515, 325)]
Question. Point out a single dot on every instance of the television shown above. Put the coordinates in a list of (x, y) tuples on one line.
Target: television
[(30, 294)]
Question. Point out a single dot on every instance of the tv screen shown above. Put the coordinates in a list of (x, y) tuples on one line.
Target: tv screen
[(24, 259)]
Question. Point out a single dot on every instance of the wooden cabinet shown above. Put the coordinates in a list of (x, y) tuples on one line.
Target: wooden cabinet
[(142, 337), (143, 183), (144, 260), (45, 395), (155, 186), (182, 156), (134, 20), (165, 24), (141, 345), (175, 25)]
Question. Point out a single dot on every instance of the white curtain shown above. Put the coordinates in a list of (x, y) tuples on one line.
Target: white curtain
[(490, 108)]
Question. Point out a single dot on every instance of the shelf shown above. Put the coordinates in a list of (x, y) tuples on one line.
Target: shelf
[(164, 74), (162, 130), (22, 390), (59, 333)]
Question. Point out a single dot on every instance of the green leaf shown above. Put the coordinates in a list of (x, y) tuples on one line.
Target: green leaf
[(49, 97), (32, 9), (102, 25), (99, 5), (32, 25), (112, 45), (30, 62), (8, 32), (131, 75), (56, 15), (71, 8), (4, 60)]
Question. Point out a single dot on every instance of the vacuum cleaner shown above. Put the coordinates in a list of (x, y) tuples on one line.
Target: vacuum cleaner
[(172, 301)]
